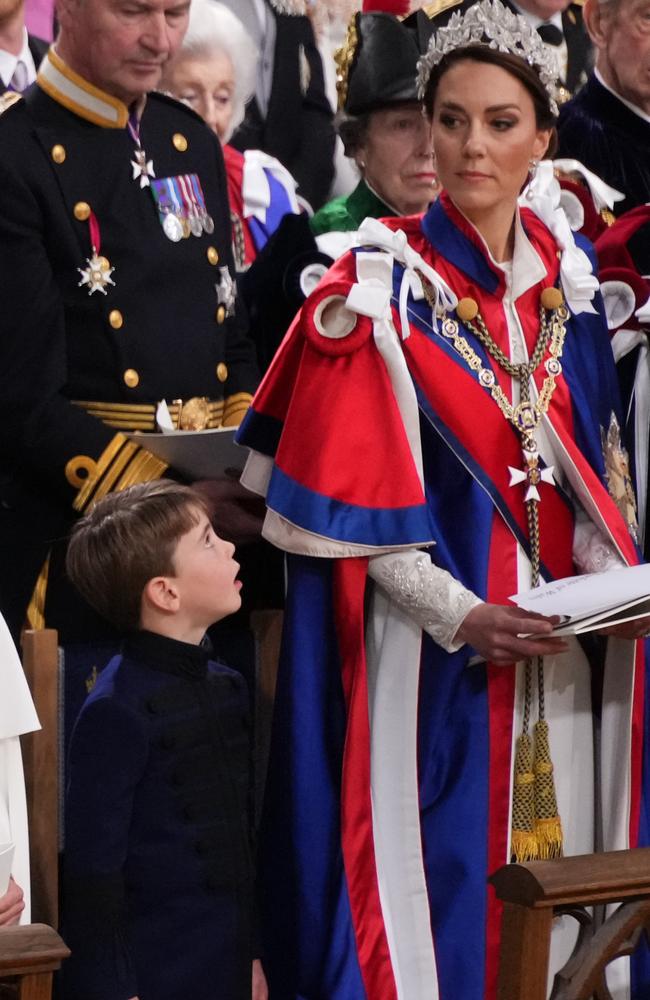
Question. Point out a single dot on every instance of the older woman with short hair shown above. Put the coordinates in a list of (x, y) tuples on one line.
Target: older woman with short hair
[(214, 72)]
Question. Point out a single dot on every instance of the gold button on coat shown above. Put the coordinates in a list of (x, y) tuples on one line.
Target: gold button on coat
[(220, 314), (58, 153), (222, 371), (213, 255), (81, 211), (180, 142), (116, 319), (131, 378)]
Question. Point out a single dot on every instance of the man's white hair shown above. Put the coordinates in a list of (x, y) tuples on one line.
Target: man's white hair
[(212, 29)]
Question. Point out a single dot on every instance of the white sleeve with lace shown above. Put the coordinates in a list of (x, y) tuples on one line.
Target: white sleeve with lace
[(592, 552), (430, 596)]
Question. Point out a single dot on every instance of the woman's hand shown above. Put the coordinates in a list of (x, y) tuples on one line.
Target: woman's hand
[(260, 990), (12, 904), (637, 629), (494, 629)]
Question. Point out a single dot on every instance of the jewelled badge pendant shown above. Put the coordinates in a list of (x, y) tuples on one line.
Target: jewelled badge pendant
[(142, 168), (531, 474), (226, 291), (97, 275)]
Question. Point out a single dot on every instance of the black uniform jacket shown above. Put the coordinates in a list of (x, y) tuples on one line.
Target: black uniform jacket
[(158, 880), (157, 333), (298, 127)]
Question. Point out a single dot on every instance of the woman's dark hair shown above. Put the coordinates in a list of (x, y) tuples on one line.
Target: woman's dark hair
[(527, 76), (353, 130)]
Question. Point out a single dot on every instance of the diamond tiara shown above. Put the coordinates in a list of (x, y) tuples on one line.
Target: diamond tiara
[(491, 24)]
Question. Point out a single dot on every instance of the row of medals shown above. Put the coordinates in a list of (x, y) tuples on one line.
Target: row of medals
[(178, 227)]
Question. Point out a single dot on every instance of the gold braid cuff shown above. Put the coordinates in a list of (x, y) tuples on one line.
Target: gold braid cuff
[(121, 464), (235, 408)]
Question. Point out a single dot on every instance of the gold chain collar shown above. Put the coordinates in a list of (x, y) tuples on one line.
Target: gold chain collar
[(536, 824)]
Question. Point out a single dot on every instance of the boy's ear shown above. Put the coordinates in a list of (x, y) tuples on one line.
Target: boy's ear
[(162, 594)]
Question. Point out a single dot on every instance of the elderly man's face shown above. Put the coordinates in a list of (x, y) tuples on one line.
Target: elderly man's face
[(621, 31), (121, 46)]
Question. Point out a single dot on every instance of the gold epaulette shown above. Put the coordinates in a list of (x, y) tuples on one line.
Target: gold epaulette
[(122, 463), (439, 7), (8, 100)]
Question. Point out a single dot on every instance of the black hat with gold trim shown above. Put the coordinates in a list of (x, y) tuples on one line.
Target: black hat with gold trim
[(376, 66)]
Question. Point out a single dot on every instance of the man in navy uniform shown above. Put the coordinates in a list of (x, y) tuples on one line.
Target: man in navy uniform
[(116, 286)]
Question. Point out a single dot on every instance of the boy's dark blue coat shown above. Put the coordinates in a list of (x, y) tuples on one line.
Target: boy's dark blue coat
[(158, 884)]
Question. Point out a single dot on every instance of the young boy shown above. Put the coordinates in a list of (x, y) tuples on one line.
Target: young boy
[(158, 874)]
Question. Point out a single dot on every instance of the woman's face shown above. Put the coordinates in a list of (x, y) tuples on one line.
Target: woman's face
[(207, 83), (484, 137), (396, 158)]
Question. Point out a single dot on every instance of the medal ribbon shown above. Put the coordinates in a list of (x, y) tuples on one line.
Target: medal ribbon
[(95, 238)]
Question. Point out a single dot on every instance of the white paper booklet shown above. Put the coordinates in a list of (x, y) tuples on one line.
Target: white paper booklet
[(593, 600), (6, 863), (209, 454)]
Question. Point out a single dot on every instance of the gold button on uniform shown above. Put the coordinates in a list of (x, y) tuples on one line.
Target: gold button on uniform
[(222, 371), (81, 211), (116, 319), (58, 153), (213, 255), (220, 314), (180, 142), (131, 377)]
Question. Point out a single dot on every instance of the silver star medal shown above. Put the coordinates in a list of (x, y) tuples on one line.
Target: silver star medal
[(142, 168), (226, 291), (97, 275), (531, 474)]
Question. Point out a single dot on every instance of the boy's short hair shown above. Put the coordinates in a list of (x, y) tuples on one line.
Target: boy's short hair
[(127, 539)]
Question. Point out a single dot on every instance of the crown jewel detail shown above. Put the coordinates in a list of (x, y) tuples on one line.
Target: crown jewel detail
[(493, 25)]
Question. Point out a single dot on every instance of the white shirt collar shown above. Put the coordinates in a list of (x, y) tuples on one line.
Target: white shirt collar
[(628, 104), (526, 268), (8, 62)]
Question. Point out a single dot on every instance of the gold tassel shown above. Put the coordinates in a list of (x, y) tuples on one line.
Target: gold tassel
[(548, 826), (524, 836)]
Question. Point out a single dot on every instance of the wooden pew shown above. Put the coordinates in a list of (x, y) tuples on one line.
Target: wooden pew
[(536, 892), (29, 955)]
